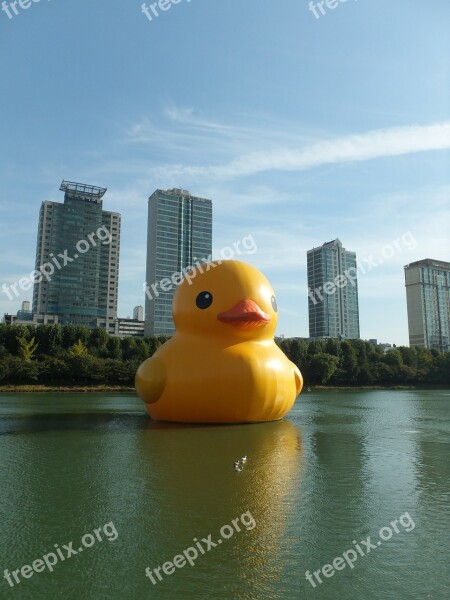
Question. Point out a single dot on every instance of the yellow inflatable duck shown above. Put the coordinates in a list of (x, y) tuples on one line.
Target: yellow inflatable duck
[(222, 365)]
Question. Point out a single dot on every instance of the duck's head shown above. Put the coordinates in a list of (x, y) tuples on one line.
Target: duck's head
[(230, 300)]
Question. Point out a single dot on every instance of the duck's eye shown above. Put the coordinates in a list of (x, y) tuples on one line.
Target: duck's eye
[(274, 304), (204, 300)]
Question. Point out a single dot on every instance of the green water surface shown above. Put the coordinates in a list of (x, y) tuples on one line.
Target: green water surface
[(339, 468)]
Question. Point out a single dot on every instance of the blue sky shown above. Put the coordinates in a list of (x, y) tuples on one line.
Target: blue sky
[(300, 129)]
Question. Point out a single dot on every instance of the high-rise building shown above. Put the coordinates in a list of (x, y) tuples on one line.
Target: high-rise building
[(179, 234), (138, 313), (78, 256), (428, 300), (332, 292)]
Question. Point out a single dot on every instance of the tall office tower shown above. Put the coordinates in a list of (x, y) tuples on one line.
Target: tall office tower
[(179, 234), (332, 292), (138, 313), (78, 252), (428, 300)]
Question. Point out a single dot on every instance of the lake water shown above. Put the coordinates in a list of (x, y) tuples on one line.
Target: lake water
[(341, 467)]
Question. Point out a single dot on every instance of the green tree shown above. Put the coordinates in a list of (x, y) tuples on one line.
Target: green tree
[(72, 333), (316, 347), (14, 334), (298, 352), (384, 374), (128, 345), (54, 338), (98, 339), (5, 369), (409, 356), (406, 374), (17, 371), (394, 359), (154, 342), (85, 369), (322, 367), (53, 371), (118, 372), (26, 348), (142, 350), (77, 349), (49, 338), (442, 375), (69, 336), (348, 364), (113, 348), (333, 347)]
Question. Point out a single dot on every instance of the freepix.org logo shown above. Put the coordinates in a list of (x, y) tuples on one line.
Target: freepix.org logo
[(364, 547), (47, 269), (58, 554), (191, 554), (10, 8), (153, 10), (318, 8), (350, 275)]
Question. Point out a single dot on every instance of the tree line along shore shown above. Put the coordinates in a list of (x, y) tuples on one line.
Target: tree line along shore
[(75, 357)]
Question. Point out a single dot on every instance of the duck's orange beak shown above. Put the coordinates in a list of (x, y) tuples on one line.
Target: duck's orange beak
[(246, 314)]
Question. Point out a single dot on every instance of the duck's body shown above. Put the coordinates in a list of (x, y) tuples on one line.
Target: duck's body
[(247, 382), (230, 370)]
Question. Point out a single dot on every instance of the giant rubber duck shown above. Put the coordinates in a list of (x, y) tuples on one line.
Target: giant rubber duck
[(222, 365)]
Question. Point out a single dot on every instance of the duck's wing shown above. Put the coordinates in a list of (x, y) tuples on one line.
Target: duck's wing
[(298, 378), (150, 379)]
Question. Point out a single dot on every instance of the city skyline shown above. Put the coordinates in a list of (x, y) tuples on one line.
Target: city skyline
[(316, 287), (328, 265), (301, 139)]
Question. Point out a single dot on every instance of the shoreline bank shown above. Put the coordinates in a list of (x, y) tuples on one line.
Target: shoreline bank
[(23, 389)]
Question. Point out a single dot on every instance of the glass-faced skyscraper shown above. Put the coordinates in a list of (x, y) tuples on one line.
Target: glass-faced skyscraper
[(80, 243), (428, 300), (179, 235), (332, 292)]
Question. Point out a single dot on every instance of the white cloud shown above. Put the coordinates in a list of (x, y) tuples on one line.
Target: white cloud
[(371, 145)]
